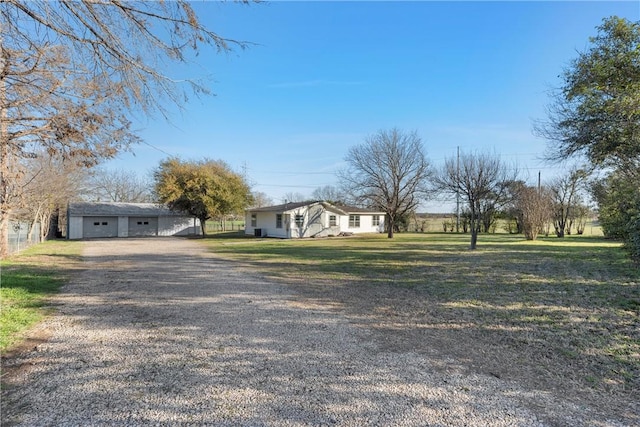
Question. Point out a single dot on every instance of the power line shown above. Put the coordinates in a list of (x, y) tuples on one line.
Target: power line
[(157, 149), (290, 186), (291, 173)]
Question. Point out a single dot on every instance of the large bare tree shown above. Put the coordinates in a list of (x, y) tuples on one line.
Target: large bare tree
[(72, 72), (481, 178), (389, 171), (128, 44), (46, 112)]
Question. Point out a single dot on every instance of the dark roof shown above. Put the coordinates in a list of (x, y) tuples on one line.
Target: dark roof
[(283, 207), (341, 209), (120, 209), (355, 209)]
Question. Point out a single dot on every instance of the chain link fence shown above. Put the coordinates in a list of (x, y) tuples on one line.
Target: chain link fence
[(218, 226), (19, 235)]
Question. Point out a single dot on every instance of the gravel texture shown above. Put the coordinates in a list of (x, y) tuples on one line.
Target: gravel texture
[(158, 332)]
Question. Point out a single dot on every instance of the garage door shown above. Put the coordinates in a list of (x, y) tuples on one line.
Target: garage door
[(143, 226), (99, 226)]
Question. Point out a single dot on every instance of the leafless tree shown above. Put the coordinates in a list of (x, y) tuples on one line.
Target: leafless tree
[(71, 72), (119, 185), (48, 185), (480, 178), (579, 216), (44, 112), (128, 44), (512, 209), (261, 199), (294, 197), (389, 171), (565, 191), (329, 193), (535, 209)]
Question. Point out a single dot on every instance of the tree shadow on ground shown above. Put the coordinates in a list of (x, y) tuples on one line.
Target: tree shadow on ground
[(560, 315), (156, 339)]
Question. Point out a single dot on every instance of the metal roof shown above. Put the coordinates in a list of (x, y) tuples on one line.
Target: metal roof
[(120, 209)]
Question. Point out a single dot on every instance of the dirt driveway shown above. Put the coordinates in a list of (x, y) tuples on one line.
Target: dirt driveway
[(160, 332)]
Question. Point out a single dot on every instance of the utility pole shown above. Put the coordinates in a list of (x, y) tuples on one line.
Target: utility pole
[(458, 192), (539, 186), (244, 170)]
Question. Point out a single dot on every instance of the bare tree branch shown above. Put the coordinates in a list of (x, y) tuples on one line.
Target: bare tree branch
[(389, 171), (482, 179), (72, 72)]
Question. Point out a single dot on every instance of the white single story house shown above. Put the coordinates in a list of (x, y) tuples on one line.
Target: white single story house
[(87, 220), (311, 219)]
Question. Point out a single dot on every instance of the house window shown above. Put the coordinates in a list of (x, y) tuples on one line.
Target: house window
[(278, 220), (299, 220), (254, 220), (96, 223), (105, 223), (375, 220), (332, 221), (354, 221)]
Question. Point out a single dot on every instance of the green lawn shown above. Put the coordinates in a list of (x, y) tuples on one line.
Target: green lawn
[(572, 303), (26, 280)]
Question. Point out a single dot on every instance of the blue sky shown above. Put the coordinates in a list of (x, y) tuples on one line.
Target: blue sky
[(322, 76)]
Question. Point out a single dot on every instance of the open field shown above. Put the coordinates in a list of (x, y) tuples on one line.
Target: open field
[(26, 279), (430, 223), (560, 315)]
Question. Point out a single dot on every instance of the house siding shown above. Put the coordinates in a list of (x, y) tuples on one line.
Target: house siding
[(312, 225), (366, 223), (266, 221), (316, 222)]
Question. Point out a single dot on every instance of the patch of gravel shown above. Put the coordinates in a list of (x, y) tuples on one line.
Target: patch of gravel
[(158, 332)]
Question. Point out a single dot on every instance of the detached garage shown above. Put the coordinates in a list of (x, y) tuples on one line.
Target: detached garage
[(99, 220)]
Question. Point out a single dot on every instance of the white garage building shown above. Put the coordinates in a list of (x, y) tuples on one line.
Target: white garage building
[(86, 220)]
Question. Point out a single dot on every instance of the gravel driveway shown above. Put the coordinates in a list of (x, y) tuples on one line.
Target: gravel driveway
[(159, 332)]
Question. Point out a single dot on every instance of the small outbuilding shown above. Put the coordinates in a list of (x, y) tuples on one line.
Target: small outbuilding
[(86, 220), (311, 219)]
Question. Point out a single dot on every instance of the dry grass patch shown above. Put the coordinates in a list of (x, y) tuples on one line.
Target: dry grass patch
[(562, 312)]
